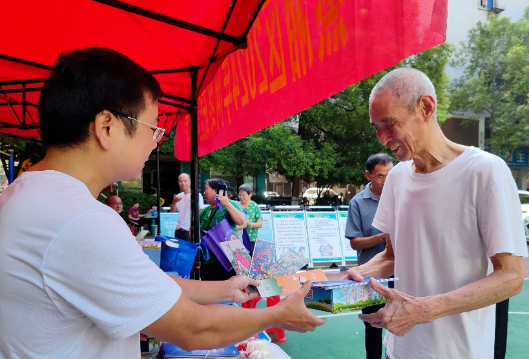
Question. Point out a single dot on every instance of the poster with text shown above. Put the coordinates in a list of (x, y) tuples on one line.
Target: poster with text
[(265, 232), (168, 223), (324, 237), (348, 252), (290, 233)]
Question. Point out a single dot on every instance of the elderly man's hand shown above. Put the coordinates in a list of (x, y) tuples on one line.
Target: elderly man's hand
[(401, 312), (354, 274), (240, 285)]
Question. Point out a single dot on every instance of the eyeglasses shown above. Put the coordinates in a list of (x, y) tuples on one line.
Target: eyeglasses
[(157, 131)]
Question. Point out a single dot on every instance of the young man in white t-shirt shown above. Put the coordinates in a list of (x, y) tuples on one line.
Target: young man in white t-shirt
[(182, 205), (454, 238), (73, 281)]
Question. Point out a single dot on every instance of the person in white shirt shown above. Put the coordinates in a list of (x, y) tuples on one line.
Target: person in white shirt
[(73, 281), (182, 205), (454, 237)]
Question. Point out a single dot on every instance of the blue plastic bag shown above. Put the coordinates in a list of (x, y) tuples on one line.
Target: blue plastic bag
[(178, 255)]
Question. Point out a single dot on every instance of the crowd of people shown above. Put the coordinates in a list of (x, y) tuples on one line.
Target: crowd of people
[(445, 221)]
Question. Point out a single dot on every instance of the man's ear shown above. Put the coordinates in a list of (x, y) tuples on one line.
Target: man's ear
[(368, 175), (427, 107), (104, 128)]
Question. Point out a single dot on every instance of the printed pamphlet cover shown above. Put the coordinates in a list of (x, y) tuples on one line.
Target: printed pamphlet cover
[(263, 257), (289, 263), (238, 255), (288, 283)]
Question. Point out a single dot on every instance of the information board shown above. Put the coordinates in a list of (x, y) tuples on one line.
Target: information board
[(324, 237), (168, 223), (348, 252), (290, 233), (265, 232)]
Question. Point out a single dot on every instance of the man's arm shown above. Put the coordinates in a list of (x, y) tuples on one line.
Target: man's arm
[(192, 326), (402, 312), (381, 265), (367, 242), (209, 292)]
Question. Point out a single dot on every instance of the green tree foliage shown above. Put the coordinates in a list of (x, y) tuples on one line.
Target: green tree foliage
[(342, 121), (329, 142), (495, 81), (22, 148)]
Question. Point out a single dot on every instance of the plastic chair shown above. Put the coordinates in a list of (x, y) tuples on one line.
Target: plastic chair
[(134, 227), (270, 301)]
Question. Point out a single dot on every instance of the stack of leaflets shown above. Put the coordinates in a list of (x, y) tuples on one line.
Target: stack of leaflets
[(278, 277), (344, 295)]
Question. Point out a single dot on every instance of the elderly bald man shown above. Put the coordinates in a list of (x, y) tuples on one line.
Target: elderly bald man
[(182, 205), (115, 203), (454, 238)]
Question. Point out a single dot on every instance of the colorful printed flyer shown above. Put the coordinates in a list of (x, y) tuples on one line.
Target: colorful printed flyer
[(238, 256), (289, 263), (263, 257), (287, 284)]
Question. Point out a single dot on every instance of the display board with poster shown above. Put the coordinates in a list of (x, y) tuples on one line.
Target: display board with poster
[(168, 223), (324, 237), (265, 231), (290, 233), (349, 253)]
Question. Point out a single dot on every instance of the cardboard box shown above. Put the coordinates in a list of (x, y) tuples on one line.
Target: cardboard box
[(344, 295)]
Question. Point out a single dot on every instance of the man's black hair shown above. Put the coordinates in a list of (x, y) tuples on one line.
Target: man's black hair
[(85, 82), (378, 159)]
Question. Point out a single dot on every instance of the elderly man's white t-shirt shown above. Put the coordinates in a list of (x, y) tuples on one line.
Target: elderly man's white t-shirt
[(73, 281), (444, 227), (184, 210)]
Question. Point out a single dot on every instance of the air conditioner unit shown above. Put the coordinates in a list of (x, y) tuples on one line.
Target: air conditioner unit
[(490, 5)]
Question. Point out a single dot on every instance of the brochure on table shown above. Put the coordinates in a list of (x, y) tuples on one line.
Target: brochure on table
[(324, 237), (349, 253), (290, 233), (168, 223), (265, 231)]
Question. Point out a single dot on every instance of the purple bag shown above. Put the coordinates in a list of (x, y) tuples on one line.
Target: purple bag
[(221, 232), (246, 240)]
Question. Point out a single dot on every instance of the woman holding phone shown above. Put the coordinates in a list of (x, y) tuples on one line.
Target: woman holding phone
[(218, 188)]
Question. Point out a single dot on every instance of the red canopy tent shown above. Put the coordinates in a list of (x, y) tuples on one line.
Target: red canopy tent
[(299, 53)]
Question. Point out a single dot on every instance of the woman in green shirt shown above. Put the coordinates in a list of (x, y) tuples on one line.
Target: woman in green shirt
[(254, 219), (212, 269)]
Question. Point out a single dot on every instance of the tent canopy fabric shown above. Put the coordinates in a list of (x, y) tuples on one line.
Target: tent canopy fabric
[(169, 38), (298, 53), (302, 52)]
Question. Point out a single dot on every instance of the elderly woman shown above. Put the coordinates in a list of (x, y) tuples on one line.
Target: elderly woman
[(254, 219), (212, 269)]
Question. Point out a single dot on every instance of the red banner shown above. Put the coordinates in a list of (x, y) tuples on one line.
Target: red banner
[(301, 52)]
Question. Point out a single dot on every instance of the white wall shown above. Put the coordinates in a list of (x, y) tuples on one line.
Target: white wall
[(464, 14)]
